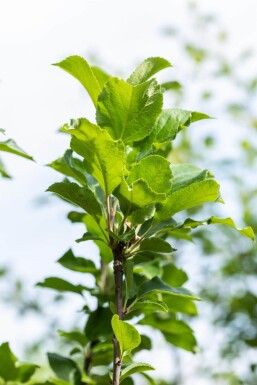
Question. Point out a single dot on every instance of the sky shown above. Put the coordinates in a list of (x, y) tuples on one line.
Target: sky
[(37, 98)]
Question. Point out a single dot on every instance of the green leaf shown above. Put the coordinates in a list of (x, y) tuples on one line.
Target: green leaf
[(156, 244), (135, 367), (10, 146), (99, 324), (90, 237), (79, 68), (3, 170), (74, 336), (81, 196), (188, 197), (128, 112), (155, 170), (61, 285), (63, 367), (126, 334), (25, 372), (173, 276), (103, 157), (149, 269), (69, 166), (142, 215), (180, 305), (149, 304), (186, 174), (139, 195), (156, 285), (8, 370), (69, 261), (93, 228), (147, 69), (196, 116), (176, 332), (101, 76), (169, 123)]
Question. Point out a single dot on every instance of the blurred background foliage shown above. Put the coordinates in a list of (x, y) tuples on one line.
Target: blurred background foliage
[(221, 264)]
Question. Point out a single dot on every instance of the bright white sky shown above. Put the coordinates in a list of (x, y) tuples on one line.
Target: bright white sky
[(35, 99)]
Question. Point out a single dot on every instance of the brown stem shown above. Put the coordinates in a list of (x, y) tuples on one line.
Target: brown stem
[(118, 277)]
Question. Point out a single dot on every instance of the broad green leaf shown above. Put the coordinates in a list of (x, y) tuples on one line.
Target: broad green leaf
[(69, 166), (188, 197), (155, 170), (128, 112), (126, 334), (78, 67), (172, 85), (173, 276), (135, 367), (69, 261), (147, 69), (8, 370), (74, 336), (186, 174), (93, 228), (176, 332), (101, 76), (3, 170), (149, 269), (62, 366), (103, 157), (10, 146), (196, 116), (169, 123), (139, 195), (25, 372), (142, 215), (11, 369), (90, 237), (61, 285), (156, 285), (180, 305), (81, 196), (156, 244), (99, 324), (149, 304)]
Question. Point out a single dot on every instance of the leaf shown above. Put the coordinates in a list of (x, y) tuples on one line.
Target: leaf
[(62, 366), (147, 69), (81, 196), (149, 304), (174, 276), (188, 197), (135, 367), (3, 170), (11, 146), (101, 76), (93, 228), (186, 174), (246, 231), (8, 370), (196, 116), (103, 157), (69, 261), (139, 195), (25, 372), (156, 244), (128, 112), (149, 269), (61, 285), (180, 305), (90, 237), (99, 324), (69, 166), (176, 332), (79, 68), (169, 123), (142, 215), (156, 285), (74, 336), (126, 334), (155, 170)]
